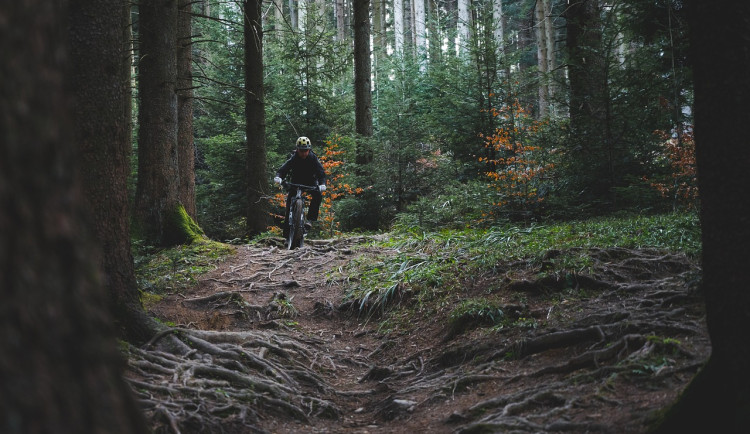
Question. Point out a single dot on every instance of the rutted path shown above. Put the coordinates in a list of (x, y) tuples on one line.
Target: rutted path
[(265, 344)]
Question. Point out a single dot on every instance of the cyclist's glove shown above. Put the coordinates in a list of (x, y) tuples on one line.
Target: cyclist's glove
[(277, 180), (322, 187)]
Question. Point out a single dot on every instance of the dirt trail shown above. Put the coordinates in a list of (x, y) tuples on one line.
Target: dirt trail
[(268, 346)]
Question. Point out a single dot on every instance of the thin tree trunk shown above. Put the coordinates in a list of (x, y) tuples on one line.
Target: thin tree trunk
[(340, 28), (378, 26), (185, 143), (420, 31), (257, 178), (464, 18), (293, 14), (435, 32), (278, 14), (362, 68), (60, 368), (398, 26), (551, 63), (498, 19), (543, 72)]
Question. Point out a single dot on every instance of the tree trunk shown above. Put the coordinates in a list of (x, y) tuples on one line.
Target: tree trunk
[(378, 27), (588, 104), (398, 26), (464, 18), (583, 43), (362, 68), (420, 30), (159, 217), (543, 72), (185, 143), (498, 19), (340, 28), (293, 15), (278, 22), (60, 367), (435, 32), (549, 28), (302, 18), (101, 115), (717, 400), (255, 117)]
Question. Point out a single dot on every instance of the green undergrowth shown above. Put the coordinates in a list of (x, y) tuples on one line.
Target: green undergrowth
[(161, 271), (430, 268)]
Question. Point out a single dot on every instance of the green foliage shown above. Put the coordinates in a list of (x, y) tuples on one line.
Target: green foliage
[(456, 206), (644, 89), (434, 263), (166, 270), (476, 310), (220, 186), (440, 107)]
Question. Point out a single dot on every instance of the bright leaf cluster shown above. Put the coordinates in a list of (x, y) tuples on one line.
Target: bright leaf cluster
[(334, 163), (514, 161), (681, 184)]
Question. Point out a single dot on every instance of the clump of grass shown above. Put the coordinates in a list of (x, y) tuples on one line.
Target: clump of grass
[(283, 306), (165, 270), (439, 260), (476, 311)]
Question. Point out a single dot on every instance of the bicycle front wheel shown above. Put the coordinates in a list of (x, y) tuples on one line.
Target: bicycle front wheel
[(297, 225)]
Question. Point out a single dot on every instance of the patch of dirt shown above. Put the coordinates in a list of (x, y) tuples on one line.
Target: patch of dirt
[(265, 344)]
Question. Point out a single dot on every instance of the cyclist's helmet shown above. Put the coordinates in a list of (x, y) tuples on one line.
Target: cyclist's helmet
[(304, 143)]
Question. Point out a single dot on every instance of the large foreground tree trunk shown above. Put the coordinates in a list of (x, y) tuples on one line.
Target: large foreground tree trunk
[(255, 117), (101, 123), (718, 399), (60, 370)]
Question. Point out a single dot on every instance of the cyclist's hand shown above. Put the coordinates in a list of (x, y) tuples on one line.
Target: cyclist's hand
[(277, 180), (322, 187)]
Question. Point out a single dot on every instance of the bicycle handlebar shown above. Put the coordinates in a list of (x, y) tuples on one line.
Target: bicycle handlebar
[(303, 187)]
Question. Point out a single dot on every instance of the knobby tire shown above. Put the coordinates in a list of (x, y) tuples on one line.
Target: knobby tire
[(297, 225)]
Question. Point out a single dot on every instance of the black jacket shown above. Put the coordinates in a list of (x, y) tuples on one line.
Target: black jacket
[(305, 171)]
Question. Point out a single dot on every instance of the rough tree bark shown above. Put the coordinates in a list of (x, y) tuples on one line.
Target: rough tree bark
[(362, 68), (718, 398), (542, 56), (159, 217), (185, 143), (255, 117), (60, 370), (101, 128), (590, 139)]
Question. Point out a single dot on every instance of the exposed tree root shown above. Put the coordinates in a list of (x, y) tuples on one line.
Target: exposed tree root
[(651, 316), (635, 321), (229, 378)]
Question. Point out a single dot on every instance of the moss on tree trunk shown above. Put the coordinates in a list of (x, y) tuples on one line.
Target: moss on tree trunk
[(179, 228)]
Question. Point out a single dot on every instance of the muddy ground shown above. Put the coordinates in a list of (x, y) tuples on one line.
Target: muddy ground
[(267, 343)]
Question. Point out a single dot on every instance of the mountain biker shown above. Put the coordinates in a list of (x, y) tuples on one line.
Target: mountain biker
[(305, 169)]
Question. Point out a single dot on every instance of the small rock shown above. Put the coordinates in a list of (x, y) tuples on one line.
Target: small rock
[(405, 404)]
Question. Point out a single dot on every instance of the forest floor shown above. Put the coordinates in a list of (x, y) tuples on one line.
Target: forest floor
[(272, 345)]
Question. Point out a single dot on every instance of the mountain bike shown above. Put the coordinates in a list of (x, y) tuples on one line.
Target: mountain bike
[(295, 219)]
